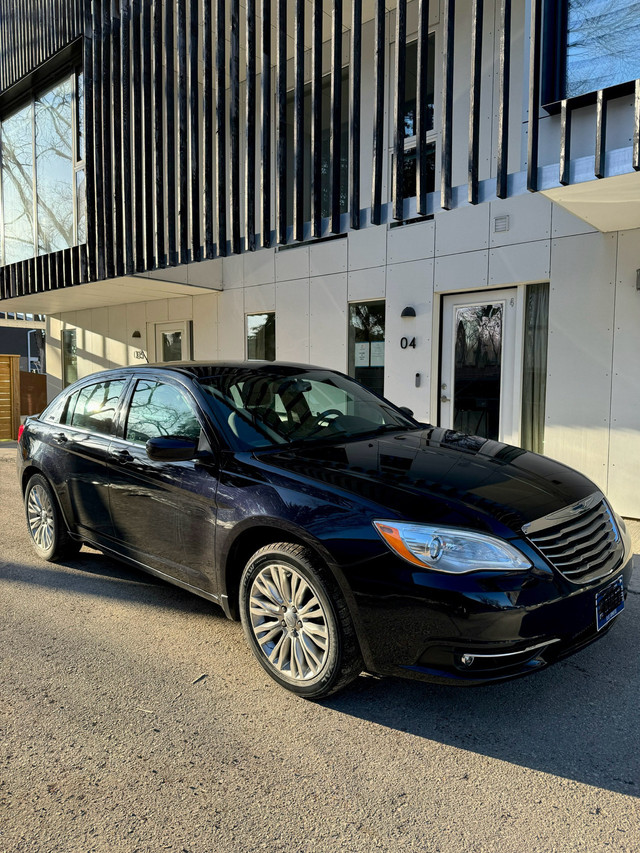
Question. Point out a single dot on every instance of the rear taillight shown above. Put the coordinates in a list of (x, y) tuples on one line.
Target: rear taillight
[(20, 431)]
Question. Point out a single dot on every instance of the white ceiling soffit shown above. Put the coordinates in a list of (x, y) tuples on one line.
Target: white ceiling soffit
[(610, 204), (100, 294)]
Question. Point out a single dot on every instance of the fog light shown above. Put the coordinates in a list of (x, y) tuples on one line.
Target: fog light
[(467, 660)]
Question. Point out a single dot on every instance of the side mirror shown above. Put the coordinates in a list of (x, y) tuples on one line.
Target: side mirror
[(405, 411), (171, 448)]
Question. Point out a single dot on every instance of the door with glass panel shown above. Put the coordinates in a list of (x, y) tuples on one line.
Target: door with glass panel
[(173, 341), (481, 364)]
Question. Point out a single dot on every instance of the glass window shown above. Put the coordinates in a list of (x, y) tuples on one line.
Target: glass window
[(95, 406), (54, 410), (411, 87), (534, 378), (69, 357), (17, 186), (158, 409), (325, 146), (54, 174), (366, 343), (261, 336), (603, 44), (44, 207)]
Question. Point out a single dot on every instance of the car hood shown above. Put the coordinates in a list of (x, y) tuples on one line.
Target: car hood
[(434, 474)]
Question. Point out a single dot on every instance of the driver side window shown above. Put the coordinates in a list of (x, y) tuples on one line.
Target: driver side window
[(158, 409)]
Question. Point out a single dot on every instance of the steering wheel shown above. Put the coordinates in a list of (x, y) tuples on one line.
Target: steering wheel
[(328, 415)]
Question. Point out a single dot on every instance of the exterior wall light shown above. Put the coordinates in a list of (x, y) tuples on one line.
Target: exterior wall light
[(409, 311), (136, 334)]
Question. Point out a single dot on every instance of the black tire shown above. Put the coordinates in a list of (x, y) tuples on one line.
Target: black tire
[(47, 530), (308, 648)]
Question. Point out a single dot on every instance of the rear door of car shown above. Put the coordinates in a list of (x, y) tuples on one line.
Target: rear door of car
[(164, 513), (74, 450)]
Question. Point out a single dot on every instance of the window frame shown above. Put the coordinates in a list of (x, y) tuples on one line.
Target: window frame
[(246, 335), (78, 166)]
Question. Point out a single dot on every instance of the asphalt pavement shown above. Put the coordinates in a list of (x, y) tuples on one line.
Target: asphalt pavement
[(133, 719)]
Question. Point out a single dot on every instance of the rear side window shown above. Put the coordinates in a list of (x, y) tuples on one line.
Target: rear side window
[(53, 412), (158, 409), (94, 406)]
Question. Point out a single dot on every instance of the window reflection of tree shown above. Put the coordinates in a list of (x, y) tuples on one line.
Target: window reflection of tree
[(160, 410), (97, 405), (479, 336)]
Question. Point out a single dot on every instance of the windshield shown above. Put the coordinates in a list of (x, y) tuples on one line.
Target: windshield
[(267, 406)]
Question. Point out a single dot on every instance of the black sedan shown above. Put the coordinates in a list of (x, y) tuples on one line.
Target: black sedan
[(345, 535)]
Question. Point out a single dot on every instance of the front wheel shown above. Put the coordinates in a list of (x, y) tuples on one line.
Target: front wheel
[(49, 535), (297, 621)]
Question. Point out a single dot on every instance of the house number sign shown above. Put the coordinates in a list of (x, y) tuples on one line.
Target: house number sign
[(407, 342)]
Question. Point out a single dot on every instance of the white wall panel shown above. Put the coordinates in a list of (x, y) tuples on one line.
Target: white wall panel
[(157, 311), (529, 218), (468, 271), (411, 242), (180, 309), (564, 224), (624, 460), (260, 298), (54, 356), (525, 262), (117, 342), (581, 307), (328, 257), (231, 324), (367, 284), (462, 230), (292, 320), (409, 284), (292, 263), (328, 321), (205, 327), (259, 267), (367, 248), (232, 271)]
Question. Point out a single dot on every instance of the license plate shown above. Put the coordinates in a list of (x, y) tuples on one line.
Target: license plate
[(609, 602)]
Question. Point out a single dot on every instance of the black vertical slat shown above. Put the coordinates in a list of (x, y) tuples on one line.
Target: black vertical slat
[(250, 122), (474, 98), (355, 86), (158, 121), (316, 119), (126, 166), (636, 128), (398, 109), (170, 100), (116, 168), (281, 124), (88, 72), (234, 126), (298, 122), (221, 135), (335, 132), (601, 134), (378, 113), (422, 108), (97, 137), (147, 111), (265, 106), (106, 138), (194, 131), (183, 136), (207, 130), (447, 101), (136, 135), (565, 141), (503, 97), (534, 94)]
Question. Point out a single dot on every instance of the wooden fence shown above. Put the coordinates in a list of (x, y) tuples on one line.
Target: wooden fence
[(9, 396)]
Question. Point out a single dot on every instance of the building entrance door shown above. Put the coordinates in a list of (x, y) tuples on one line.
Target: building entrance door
[(479, 391)]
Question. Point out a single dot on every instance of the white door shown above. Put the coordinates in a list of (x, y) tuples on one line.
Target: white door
[(172, 341), (481, 364)]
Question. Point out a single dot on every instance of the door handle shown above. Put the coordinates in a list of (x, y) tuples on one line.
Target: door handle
[(122, 456), (60, 437), (444, 399)]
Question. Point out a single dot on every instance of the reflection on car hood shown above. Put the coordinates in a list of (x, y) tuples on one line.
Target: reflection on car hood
[(414, 473)]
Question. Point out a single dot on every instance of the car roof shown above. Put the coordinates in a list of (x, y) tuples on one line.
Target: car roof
[(202, 368)]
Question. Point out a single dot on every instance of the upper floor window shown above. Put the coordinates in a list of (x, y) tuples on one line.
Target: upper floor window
[(595, 45), (42, 174)]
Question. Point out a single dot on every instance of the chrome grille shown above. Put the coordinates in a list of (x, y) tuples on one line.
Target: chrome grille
[(582, 543)]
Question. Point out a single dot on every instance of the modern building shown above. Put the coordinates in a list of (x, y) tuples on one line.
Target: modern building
[(24, 335), (441, 198)]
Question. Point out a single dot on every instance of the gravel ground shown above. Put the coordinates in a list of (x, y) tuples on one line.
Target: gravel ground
[(133, 718)]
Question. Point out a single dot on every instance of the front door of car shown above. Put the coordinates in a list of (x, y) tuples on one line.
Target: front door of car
[(163, 513)]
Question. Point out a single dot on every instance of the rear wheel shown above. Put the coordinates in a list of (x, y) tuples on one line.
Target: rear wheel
[(49, 535), (297, 621)]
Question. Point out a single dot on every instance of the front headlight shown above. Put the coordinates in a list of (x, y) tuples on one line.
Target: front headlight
[(447, 549)]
